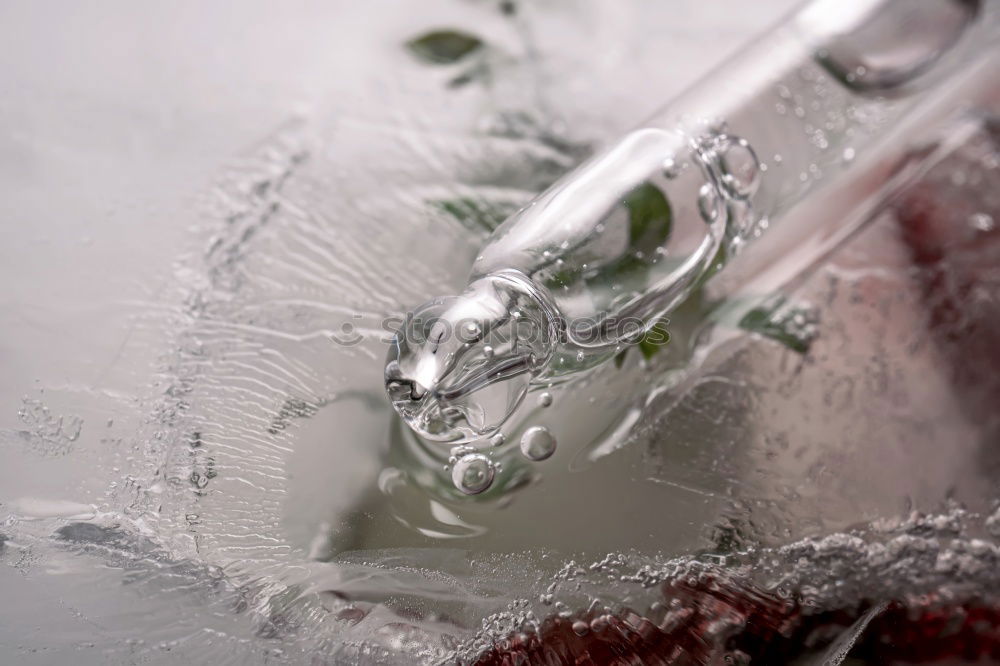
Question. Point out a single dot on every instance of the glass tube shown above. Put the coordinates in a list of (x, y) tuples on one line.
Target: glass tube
[(764, 165)]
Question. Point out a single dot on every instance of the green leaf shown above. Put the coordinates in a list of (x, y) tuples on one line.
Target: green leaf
[(443, 47), (476, 214), (655, 339), (650, 218), (651, 343), (793, 327), (650, 222)]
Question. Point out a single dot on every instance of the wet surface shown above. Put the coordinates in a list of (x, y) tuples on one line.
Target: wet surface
[(209, 216)]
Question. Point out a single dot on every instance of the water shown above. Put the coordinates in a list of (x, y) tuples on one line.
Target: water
[(238, 489)]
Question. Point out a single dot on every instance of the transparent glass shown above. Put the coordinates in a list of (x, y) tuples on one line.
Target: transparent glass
[(823, 101)]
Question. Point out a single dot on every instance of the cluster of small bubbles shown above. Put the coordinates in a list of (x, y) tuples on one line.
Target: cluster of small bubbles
[(800, 323), (545, 399), (537, 443), (982, 222), (457, 452), (709, 205), (498, 439), (473, 473), (818, 138)]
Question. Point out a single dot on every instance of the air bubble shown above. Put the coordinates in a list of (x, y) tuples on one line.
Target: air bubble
[(740, 168), (537, 443), (471, 331), (498, 439), (670, 168), (709, 204), (599, 624), (473, 473), (545, 399), (581, 628)]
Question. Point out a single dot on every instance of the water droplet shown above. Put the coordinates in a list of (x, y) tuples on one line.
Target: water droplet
[(670, 168), (537, 443), (708, 203), (473, 473), (471, 331), (498, 439), (545, 399), (740, 168)]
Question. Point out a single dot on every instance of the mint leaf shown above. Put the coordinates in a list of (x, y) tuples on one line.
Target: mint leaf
[(650, 218), (793, 327), (443, 47), (654, 340), (475, 214)]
